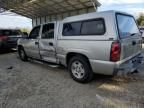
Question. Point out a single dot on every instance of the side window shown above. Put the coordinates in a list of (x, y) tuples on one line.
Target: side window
[(82, 28), (34, 33), (15, 32), (93, 27), (7, 32), (71, 29), (48, 31)]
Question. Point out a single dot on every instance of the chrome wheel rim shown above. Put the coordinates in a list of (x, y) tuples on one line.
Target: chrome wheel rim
[(77, 69)]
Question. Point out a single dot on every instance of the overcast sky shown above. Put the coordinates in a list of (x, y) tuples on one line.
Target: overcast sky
[(134, 7), (131, 6), (15, 22)]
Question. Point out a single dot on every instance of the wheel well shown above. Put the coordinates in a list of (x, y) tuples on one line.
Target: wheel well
[(72, 54), (20, 46)]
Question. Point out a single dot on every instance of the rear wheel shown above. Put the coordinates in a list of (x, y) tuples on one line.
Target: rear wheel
[(80, 69), (22, 54)]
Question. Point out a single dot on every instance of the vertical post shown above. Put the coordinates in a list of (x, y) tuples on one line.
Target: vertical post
[(94, 4), (36, 22), (32, 22)]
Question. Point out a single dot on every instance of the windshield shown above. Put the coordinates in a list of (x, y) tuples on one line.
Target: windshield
[(126, 26), (9, 32)]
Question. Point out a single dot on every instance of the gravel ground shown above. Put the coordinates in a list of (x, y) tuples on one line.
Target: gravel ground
[(36, 85)]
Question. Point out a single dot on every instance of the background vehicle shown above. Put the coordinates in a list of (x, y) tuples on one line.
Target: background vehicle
[(8, 38), (105, 43)]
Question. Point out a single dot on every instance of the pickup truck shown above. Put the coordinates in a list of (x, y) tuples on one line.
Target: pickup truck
[(107, 43)]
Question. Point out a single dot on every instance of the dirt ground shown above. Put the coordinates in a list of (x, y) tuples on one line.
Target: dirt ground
[(36, 85)]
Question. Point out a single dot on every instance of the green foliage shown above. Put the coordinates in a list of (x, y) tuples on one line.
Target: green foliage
[(25, 30), (140, 20)]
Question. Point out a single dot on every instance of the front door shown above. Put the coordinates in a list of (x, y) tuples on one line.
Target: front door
[(32, 44), (47, 43)]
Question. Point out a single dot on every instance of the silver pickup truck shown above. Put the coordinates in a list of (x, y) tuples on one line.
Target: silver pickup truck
[(106, 43)]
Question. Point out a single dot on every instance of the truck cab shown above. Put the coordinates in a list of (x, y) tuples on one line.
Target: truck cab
[(41, 43)]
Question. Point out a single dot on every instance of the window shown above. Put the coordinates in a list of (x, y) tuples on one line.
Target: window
[(89, 27), (10, 32), (93, 27), (48, 31), (5, 32), (72, 29), (15, 32), (126, 25), (34, 33)]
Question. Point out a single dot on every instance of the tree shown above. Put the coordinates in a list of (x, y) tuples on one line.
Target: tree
[(140, 20), (25, 30)]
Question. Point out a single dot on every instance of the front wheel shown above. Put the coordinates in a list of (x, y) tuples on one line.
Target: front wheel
[(22, 54), (80, 69)]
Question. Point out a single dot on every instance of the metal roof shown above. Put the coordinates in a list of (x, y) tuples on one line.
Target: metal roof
[(39, 8)]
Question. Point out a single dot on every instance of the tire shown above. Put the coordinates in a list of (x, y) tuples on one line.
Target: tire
[(80, 69), (22, 54)]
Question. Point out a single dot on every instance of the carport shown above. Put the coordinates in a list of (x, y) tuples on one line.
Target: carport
[(42, 11)]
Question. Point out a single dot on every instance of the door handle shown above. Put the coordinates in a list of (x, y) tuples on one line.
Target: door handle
[(50, 44), (36, 43)]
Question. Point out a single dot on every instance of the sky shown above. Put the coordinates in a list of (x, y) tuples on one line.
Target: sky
[(134, 7), (15, 21)]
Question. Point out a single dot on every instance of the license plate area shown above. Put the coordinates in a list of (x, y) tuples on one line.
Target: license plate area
[(131, 65)]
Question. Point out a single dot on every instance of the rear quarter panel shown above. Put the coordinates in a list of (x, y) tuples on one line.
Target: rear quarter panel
[(96, 47)]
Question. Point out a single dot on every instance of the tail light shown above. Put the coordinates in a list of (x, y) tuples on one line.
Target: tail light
[(115, 52), (3, 37)]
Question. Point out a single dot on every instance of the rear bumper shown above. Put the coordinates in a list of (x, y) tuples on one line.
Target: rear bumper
[(130, 65), (116, 68), (102, 67)]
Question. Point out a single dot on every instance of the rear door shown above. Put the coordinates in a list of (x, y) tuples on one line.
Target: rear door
[(47, 43), (129, 34)]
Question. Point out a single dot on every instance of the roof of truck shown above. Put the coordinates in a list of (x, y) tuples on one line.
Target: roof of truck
[(94, 13)]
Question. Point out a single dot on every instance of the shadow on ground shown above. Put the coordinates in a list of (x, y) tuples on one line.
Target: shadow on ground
[(6, 51), (36, 84)]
